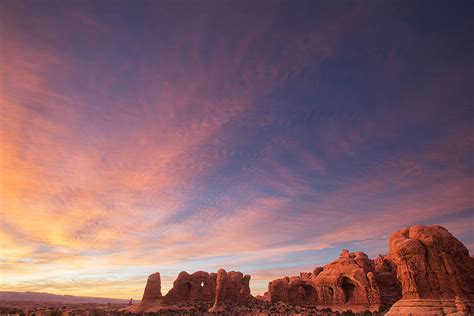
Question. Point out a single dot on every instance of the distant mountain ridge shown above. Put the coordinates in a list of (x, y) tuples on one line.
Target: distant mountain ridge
[(47, 297)]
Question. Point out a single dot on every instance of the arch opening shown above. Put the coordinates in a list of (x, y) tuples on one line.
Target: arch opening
[(186, 290), (305, 294), (348, 288)]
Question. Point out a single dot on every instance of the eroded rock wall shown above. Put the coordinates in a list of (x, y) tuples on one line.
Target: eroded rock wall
[(152, 288), (295, 290), (348, 283), (231, 287), (352, 282), (199, 286), (388, 283), (435, 270)]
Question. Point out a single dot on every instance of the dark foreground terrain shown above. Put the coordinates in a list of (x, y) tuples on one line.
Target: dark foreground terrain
[(34, 308)]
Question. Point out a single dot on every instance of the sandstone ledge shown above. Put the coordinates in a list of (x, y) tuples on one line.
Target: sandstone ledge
[(429, 307)]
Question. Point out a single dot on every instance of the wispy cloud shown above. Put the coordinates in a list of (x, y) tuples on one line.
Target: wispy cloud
[(162, 137)]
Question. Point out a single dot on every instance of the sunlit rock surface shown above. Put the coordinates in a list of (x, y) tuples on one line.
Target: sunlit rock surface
[(199, 286), (152, 288), (435, 270), (352, 282), (201, 290), (294, 290), (231, 287), (348, 283)]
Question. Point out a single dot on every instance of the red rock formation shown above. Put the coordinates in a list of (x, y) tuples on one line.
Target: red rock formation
[(152, 288), (294, 290), (435, 270), (231, 287), (196, 287), (199, 287), (386, 276), (278, 290), (317, 271), (349, 283), (265, 297), (151, 295)]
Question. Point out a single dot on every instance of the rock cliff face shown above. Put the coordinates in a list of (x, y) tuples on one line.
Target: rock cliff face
[(196, 287), (296, 290), (352, 282), (386, 276), (231, 287), (348, 283), (435, 270), (152, 288)]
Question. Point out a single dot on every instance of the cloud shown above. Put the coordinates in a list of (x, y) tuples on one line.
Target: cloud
[(168, 138)]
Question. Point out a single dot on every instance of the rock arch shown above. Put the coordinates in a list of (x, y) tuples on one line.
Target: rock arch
[(348, 286)]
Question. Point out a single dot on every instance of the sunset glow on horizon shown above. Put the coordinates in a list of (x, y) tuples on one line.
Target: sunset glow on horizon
[(257, 136)]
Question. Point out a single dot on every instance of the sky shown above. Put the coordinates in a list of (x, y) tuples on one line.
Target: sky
[(258, 136)]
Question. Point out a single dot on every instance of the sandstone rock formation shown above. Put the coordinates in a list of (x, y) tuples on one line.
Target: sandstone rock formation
[(295, 290), (352, 282), (435, 270), (431, 268), (231, 287), (386, 276), (317, 271), (151, 295), (199, 286), (153, 288), (348, 283)]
